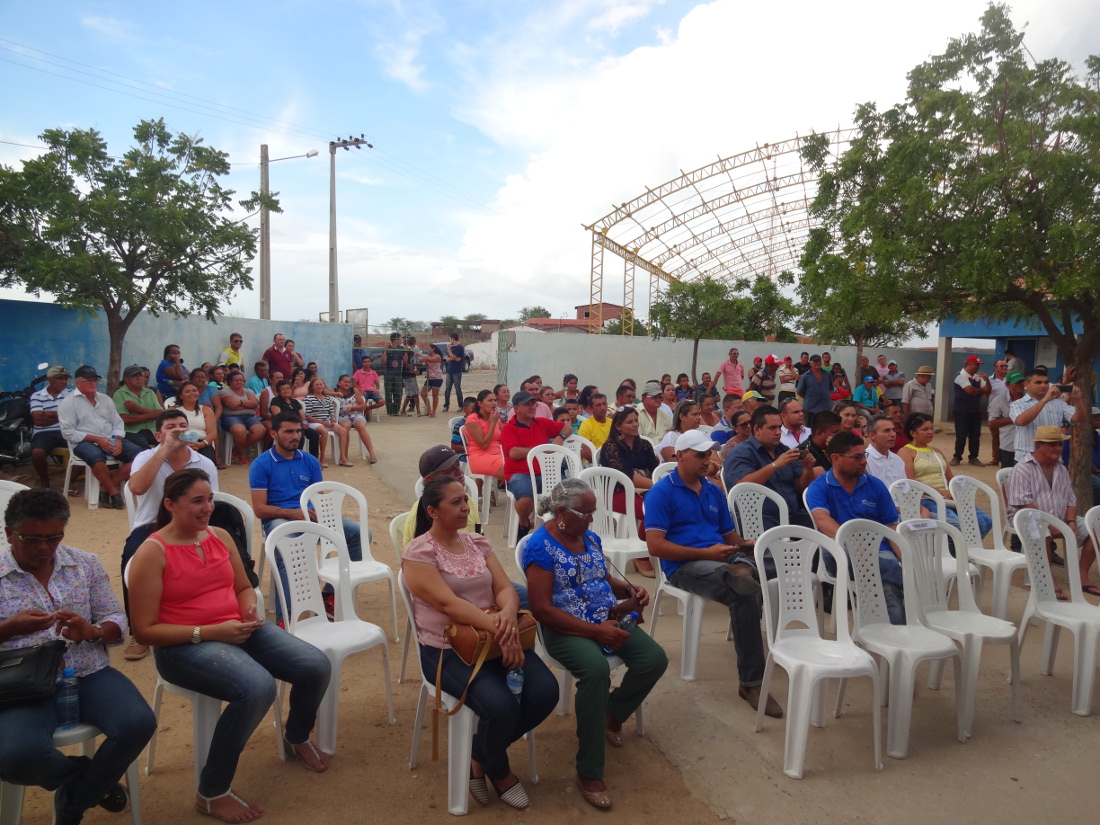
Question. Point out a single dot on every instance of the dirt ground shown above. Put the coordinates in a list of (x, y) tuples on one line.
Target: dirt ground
[(700, 759)]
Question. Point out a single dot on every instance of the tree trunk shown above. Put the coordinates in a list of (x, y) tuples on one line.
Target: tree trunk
[(858, 341), (1080, 455), (117, 327), (694, 362)]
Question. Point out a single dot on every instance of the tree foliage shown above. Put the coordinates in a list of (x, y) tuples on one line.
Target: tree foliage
[(978, 196), (148, 232), (527, 313)]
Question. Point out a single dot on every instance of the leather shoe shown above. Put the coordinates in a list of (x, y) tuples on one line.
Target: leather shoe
[(740, 579), (116, 799), (976, 462), (954, 462), (752, 696)]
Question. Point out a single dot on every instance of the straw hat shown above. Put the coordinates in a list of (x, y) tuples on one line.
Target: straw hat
[(1050, 434), (925, 371)]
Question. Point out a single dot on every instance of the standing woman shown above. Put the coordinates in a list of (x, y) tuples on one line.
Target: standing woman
[(320, 413), (574, 597), (191, 599), (200, 418), (483, 430), (352, 407), (686, 417), (434, 359), (452, 575), (626, 451)]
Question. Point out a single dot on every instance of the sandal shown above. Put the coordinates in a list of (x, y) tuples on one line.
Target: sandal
[(514, 797), (614, 737), (1090, 589), (374, 461), (344, 464), (1060, 596), (289, 753), (249, 814), (324, 465)]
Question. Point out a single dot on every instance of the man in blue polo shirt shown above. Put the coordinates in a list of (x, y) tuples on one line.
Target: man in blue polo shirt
[(689, 527), (848, 491), (277, 479)]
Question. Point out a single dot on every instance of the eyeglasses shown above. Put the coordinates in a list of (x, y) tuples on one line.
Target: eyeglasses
[(55, 539), (581, 516), (854, 456)]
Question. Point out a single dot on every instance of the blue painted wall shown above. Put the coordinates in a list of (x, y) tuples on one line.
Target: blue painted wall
[(33, 332), (1019, 336)]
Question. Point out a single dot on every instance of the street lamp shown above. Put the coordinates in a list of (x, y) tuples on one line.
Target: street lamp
[(265, 231), (333, 287)]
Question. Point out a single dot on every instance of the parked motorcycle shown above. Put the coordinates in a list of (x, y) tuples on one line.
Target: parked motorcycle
[(15, 420)]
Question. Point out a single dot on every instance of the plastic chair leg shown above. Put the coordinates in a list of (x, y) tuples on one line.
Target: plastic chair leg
[(393, 608), (1014, 649), (799, 699), (1050, 648), (205, 711), (693, 628), (1002, 584), (565, 691), (328, 713), (418, 726), (460, 743), (1084, 671), (972, 661), (405, 652), (935, 674), (817, 706), (158, 695), (901, 707)]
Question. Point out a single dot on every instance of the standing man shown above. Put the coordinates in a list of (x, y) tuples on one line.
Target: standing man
[(454, 364), (690, 529), (866, 370), (883, 367), (970, 386), (522, 433), (998, 388), (1015, 363), (814, 387), (1042, 406), (882, 462), (732, 374), (764, 381), (232, 356), (803, 365), (46, 435), (357, 353), (793, 420), (138, 407), (410, 388), (653, 421), (277, 357), (392, 381), (94, 431), (918, 395), (597, 427), (893, 382)]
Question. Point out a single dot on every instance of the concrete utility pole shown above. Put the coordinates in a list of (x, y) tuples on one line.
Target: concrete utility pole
[(333, 279), (265, 230)]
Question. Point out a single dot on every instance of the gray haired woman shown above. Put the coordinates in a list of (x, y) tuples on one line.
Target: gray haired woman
[(574, 597)]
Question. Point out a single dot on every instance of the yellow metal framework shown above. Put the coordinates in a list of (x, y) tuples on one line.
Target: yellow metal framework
[(741, 216)]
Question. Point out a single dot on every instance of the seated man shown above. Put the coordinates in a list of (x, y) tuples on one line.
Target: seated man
[(827, 425), (866, 397), (848, 492), (882, 462), (1041, 481), (277, 479), (260, 381), (689, 528), (46, 435), (519, 436), (653, 421), (723, 431), (597, 427), (706, 388), (793, 419), (94, 431), (624, 396), (138, 407)]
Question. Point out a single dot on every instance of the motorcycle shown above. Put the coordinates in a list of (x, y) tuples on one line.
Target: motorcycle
[(15, 421)]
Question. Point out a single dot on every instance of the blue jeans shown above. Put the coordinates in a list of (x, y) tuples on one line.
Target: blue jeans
[(501, 720), (985, 523), (351, 536), (109, 701), (700, 577), (91, 454), (454, 379), (244, 676)]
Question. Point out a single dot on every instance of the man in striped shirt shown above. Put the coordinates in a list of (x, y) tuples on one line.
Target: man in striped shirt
[(1042, 481)]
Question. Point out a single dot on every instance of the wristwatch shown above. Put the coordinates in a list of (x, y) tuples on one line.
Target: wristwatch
[(99, 638), (196, 636)]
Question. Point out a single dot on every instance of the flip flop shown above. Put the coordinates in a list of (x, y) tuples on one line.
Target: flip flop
[(1062, 597), (1090, 589)]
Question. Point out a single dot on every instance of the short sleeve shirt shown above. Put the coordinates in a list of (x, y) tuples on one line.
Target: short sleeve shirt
[(687, 518), (467, 575), (541, 431), (284, 479), (42, 401), (1056, 413), (580, 579), (750, 456), (459, 352)]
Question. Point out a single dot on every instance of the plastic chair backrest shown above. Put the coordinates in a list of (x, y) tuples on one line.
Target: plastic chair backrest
[(1033, 527), (793, 549), (327, 500), (130, 500), (248, 515), (549, 459), (1003, 476), (7, 490), (746, 503), (964, 490), (407, 598), (907, 495), (574, 444), (521, 545), (605, 521), (296, 542), (663, 470), (860, 539), (465, 449), (397, 533), (471, 488), (923, 553), (1092, 522)]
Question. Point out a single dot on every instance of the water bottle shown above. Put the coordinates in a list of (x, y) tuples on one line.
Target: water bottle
[(112, 442), (68, 700), (626, 623), (515, 682), (190, 437)]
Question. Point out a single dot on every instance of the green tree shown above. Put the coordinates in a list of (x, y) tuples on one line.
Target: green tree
[(147, 232), (449, 322), (398, 324), (975, 197), (615, 326), (528, 313)]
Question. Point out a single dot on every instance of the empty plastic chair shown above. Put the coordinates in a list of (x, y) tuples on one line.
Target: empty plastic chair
[(617, 531), (553, 463), (907, 495), (1001, 561), (796, 644), (397, 532), (7, 490)]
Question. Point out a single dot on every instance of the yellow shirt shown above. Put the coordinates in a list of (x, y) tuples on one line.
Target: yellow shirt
[(594, 431)]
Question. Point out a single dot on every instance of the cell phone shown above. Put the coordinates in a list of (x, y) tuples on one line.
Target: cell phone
[(1065, 387)]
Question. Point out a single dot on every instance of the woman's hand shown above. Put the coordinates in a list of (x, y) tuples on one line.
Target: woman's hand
[(75, 627), (507, 628), (511, 655), (609, 634), (25, 622), (252, 616), (233, 632)]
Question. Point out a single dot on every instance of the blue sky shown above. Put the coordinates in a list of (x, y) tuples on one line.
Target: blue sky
[(499, 127)]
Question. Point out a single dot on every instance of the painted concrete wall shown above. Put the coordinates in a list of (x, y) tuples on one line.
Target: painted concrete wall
[(604, 360), (31, 333)]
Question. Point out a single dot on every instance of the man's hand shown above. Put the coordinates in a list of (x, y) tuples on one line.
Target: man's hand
[(787, 457), (1052, 393), (718, 552), (134, 407)]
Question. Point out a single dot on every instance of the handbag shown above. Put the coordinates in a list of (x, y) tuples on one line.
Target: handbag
[(29, 674)]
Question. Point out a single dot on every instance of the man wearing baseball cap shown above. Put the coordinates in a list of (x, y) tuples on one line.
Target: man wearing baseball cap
[(1041, 481), (138, 407), (970, 386), (1000, 421), (521, 434), (653, 422), (764, 380), (46, 435), (438, 462), (690, 529)]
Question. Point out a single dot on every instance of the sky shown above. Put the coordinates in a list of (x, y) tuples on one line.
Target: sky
[(499, 129)]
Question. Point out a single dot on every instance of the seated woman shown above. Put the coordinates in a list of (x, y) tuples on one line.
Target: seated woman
[(200, 419), (708, 412), (240, 416), (352, 415), (926, 464), (850, 419), (452, 575), (283, 402), (299, 383), (685, 417), (631, 455), (574, 598), (483, 428), (321, 417), (191, 598), (47, 590)]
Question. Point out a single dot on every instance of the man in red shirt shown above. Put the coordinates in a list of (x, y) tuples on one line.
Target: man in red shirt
[(519, 435), (278, 358)]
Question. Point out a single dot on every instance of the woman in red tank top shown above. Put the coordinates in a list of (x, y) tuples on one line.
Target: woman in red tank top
[(191, 599)]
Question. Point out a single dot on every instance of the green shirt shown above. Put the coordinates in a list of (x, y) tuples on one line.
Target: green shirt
[(147, 399)]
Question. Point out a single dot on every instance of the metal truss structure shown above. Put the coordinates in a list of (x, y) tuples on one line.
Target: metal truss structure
[(741, 216)]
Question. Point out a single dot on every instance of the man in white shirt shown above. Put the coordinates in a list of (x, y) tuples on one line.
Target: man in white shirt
[(653, 421), (1042, 406), (882, 462), (792, 417), (997, 388), (1000, 421)]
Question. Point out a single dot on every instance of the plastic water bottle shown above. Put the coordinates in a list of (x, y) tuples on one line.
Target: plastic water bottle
[(190, 437), (515, 682), (112, 442), (626, 623), (68, 700)]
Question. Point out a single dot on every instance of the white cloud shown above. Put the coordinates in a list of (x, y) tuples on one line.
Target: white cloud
[(111, 29), (617, 15), (399, 60)]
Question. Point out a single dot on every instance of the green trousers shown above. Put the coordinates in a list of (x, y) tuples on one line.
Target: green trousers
[(645, 662)]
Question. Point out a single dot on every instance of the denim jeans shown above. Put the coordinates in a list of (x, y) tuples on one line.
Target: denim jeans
[(454, 379), (244, 677), (351, 536), (701, 577), (501, 720), (985, 523), (109, 701)]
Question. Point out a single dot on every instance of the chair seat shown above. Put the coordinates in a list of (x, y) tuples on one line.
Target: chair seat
[(814, 651), (361, 571), (915, 638), (1063, 613), (957, 624), (339, 638)]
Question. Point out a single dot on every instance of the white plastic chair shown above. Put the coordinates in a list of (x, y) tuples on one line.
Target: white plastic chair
[(460, 731), (326, 499), (130, 500), (907, 495), (565, 678), (7, 490), (91, 483), (576, 442), (618, 534), (334, 442), (663, 470), (1081, 618), (11, 795), (548, 459), (1001, 561), (1003, 476), (924, 552), (397, 532), (692, 606), (900, 648), (297, 542), (488, 482), (796, 644)]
